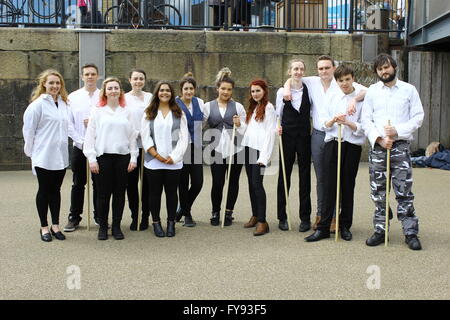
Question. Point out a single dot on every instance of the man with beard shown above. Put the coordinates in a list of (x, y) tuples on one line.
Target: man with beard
[(391, 100)]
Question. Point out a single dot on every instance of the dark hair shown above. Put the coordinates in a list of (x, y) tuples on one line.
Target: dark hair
[(188, 78), (382, 59), (261, 110), (152, 110), (224, 75), (89, 65), (343, 70), (326, 57), (137, 70)]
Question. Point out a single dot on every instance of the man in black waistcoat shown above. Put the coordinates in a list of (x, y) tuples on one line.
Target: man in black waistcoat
[(296, 136)]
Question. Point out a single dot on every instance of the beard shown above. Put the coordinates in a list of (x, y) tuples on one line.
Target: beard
[(390, 78)]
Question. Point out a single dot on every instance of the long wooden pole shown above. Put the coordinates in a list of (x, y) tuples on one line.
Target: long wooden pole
[(88, 183), (141, 182), (227, 182), (283, 169), (338, 183), (388, 182)]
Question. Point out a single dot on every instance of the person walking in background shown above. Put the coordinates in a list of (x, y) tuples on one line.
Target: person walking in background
[(392, 100), (46, 134), (259, 139), (81, 103), (165, 138), (137, 100), (110, 146), (192, 170), (221, 114)]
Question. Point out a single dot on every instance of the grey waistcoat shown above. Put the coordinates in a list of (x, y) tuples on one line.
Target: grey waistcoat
[(175, 129)]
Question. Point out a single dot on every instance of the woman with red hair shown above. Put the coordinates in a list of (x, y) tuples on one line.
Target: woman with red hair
[(258, 140), (111, 148)]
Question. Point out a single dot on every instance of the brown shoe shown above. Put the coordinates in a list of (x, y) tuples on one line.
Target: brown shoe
[(251, 223), (261, 229), (314, 227), (333, 226)]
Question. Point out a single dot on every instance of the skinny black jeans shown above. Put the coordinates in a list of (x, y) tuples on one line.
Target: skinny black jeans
[(192, 170), (255, 175), (49, 194), (133, 192)]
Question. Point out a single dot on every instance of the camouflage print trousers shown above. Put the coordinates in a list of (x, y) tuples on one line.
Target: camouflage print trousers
[(401, 179)]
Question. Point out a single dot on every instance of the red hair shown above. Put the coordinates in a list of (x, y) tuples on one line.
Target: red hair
[(261, 109), (103, 100)]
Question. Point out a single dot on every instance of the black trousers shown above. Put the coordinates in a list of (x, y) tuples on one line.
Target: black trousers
[(350, 156), (78, 164), (255, 175), (111, 180), (157, 180), (219, 169), (49, 194), (193, 170), (299, 146), (133, 192)]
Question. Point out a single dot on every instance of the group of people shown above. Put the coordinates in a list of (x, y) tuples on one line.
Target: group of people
[(117, 134)]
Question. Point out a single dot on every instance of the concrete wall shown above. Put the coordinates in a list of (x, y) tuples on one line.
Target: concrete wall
[(24, 53)]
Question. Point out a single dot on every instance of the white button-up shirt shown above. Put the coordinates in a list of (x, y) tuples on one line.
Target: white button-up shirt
[(110, 131), (163, 141), (224, 144), (338, 105), (260, 135), (81, 104), (137, 108), (400, 104), (46, 133), (297, 96)]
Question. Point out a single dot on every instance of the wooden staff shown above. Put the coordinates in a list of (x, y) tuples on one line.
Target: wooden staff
[(141, 182), (88, 182), (227, 182), (338, 183), (386, 211), (283, 169)]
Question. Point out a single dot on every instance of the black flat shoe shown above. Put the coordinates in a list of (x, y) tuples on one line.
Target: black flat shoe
[(283, 225), (317, 235), (189, 222), (158, 230), (47, 237), (58, 235), (117, 233), (304, 226), (102, 234), (346, 234), (170, 229), (144, 224)]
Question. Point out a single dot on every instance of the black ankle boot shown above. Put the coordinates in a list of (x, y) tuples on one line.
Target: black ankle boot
[(117, 233), (228, 218), (215, 218), (144, 224), (133, 225), (158, 230), (170, 229)]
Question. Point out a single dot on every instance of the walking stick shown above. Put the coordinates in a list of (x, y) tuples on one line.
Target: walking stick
[(283, 168), (140, 189), (88, 182), (386, 211), (338, 183), (227, 182)]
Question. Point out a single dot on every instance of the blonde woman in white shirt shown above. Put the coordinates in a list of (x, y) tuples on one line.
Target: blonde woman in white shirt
[(110, 146), (258, 140), (222, 113), (165, 138), (137, 100), (46, 132)]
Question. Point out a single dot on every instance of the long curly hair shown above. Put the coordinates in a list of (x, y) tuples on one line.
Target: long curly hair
[(252, 104), (42, 79), (152, 110)]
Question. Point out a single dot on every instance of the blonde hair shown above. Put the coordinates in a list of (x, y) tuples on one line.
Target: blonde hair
[(42, 79), (224, 75), (292, 61)]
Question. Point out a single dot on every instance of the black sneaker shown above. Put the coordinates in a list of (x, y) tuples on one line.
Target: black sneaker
[(71, 226), (189, 222), (228, 219), (215, 220), (375, 240), (413, 242)]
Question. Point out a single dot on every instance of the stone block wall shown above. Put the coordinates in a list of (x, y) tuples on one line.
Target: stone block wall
[(168, 54)]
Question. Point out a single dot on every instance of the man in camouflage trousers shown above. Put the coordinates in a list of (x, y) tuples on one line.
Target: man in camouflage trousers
[(396, 101)]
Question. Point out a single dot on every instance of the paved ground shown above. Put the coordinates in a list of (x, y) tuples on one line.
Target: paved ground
[(206, 262)]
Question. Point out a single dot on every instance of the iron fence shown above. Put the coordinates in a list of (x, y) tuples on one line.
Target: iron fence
[(340, 16)]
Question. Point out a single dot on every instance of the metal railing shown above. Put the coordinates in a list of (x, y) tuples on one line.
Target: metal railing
[(341, 16)]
